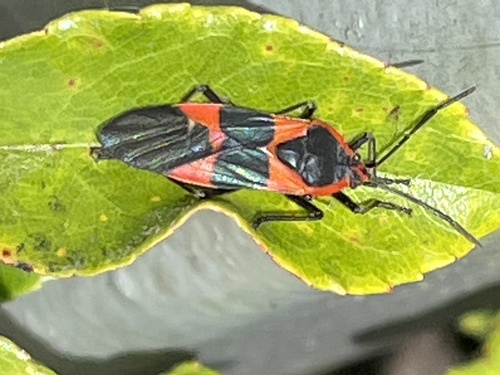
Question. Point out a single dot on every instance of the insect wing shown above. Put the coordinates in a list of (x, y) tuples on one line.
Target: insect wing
[(241, 168), (155, 139)]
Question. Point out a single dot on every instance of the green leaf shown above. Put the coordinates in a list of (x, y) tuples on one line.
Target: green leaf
[(15, 361), (489, 364), (478, 323), (15, 282), (191, 368), (64, 214)]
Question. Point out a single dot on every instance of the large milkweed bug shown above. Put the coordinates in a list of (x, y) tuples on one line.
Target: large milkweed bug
[(217, 147)]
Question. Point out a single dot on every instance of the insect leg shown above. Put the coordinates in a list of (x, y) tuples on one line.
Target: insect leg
[(360, 141), (313, 212), (207, 92), (362, 208), (369, 138), (308, 108)]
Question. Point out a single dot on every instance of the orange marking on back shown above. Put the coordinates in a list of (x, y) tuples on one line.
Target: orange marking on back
[(207, 114), (288, 128), (283, 179), (287, 181), (198, 172)]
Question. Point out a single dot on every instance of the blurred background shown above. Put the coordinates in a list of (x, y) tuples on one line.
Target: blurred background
[(208, 292)]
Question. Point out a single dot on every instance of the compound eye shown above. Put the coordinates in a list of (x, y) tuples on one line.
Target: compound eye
[(356, 158)]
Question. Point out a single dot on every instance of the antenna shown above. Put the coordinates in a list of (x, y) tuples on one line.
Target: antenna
[(460, 229), (423, 120)]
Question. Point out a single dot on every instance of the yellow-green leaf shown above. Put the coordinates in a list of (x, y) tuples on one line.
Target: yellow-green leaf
[(65, 214), (15, 361), (478, 323), (191, 368), (15, 282), (489, 363)]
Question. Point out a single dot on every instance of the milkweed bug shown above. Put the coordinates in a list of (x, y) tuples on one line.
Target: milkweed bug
[(217, 147)]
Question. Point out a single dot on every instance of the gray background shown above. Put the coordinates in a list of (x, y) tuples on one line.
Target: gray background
[(209, 292)]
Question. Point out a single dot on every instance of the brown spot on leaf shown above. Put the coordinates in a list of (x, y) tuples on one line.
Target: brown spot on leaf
[(359, 110), (6, 253), (394, 113), (346, 79), (72, 82), (354, 239), (269, 48)]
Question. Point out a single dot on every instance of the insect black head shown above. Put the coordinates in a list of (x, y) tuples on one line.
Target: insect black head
[(358, 173)]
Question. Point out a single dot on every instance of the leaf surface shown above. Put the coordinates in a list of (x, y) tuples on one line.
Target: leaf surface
[(65, 214), (482, 324), (191, 368), (15, 361)]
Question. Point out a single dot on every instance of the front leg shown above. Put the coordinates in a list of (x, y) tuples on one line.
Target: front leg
[(313, 213), (363, 208), (360, 141), (371, 162)]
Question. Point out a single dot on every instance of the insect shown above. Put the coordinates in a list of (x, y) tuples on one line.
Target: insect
[(217, 147)]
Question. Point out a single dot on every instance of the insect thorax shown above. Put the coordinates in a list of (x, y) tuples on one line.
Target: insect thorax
[(320, 159)]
